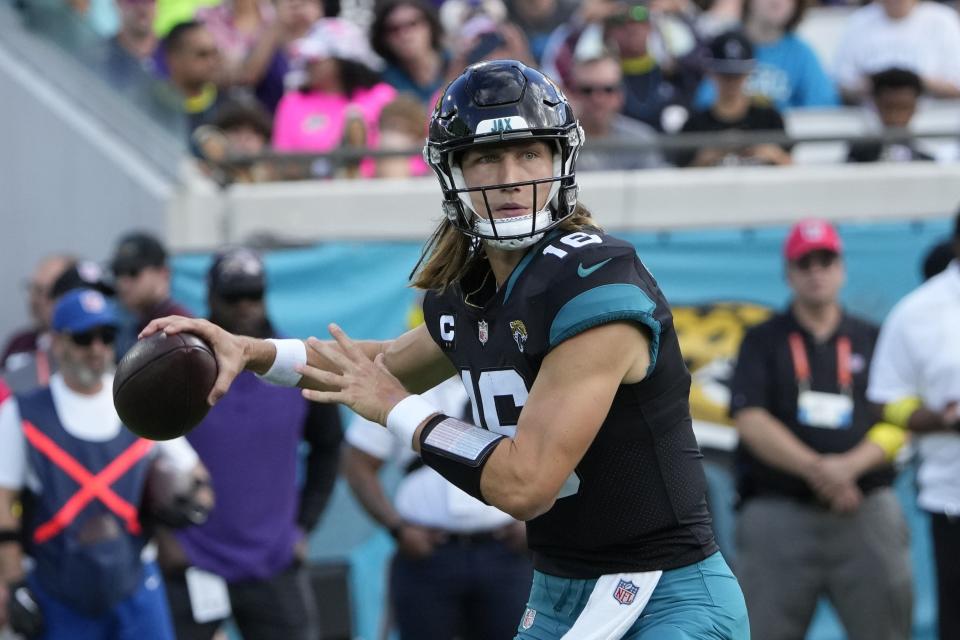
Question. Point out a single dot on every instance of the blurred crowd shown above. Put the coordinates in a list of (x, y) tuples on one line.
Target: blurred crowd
[(258, 78)]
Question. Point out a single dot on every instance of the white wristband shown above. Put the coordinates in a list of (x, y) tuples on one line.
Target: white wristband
[(407, 415), (290, 353)]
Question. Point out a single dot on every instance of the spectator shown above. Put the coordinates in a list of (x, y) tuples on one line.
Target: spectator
[(788, 73), (918, 35), (538, 19), (24, 344), (654, 81), (915, 375), (130, 53), (241, 130), (236, 26), (408, 36), (597, 98), (194, 64), (402, 126), (339, 79), (142, 279), (485, 37), (268, 65), (816, 502), (442, 536), (729, 63), (255, 539), (895, 95), (660, 72), (82, 476), (28, 370)]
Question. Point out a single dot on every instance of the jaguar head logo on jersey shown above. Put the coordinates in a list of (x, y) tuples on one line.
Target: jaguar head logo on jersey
[(519, 331), (483, 332), (625, 592), (448, 335)]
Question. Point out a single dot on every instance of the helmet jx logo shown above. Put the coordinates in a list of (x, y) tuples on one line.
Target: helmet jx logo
[(501, 124)]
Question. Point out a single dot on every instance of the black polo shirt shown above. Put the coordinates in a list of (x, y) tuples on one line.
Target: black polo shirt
[(765, 377)]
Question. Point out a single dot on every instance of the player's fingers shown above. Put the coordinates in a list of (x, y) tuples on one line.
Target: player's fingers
[(349, 347), (325, 378), (381, 364), (330, 353), (325, 397), (225, 376), (167, 324)]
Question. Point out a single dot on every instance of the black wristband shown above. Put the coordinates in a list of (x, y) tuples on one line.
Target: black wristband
[(394, 531), (10, 535), (457, 451)]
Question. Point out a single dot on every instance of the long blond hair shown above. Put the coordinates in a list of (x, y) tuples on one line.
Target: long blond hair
[(449, 253)]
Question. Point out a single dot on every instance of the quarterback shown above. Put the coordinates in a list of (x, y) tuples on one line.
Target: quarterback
[(566, 346)]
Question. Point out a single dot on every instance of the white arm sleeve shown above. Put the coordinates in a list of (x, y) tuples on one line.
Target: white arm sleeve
[(179, 453), (893, 370), (13, 447)]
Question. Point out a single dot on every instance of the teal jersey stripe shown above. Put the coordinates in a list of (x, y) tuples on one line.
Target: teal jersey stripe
[(531, 253), (603, 304)]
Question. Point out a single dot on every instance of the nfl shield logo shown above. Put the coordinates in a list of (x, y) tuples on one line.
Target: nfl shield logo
[(528, 617), (483, 332), (626, 592)]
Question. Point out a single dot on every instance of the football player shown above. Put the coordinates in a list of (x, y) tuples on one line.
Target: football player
[(566, 347)]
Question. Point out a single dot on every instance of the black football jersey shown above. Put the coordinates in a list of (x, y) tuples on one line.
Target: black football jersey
[(637, 500)]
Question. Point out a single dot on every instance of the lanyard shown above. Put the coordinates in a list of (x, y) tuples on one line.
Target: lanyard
[(801, 365)]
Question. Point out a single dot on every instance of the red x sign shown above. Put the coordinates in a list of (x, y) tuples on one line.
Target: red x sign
[(91, 486)]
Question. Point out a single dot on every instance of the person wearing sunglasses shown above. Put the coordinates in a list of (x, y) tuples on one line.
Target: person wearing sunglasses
[(80, 475), (817, 514), (254, 543), (596, 93), (142, 279)]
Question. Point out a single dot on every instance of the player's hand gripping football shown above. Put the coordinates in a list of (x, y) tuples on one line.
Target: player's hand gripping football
[(229, 349), (366, 386)]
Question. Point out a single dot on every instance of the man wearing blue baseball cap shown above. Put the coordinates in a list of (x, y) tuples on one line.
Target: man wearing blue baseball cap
[(81, 476)]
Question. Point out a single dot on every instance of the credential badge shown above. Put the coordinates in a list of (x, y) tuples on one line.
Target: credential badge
[(626, 592), (483, 332), (519, 331)]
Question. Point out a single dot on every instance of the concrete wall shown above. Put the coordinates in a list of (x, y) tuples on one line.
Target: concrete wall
[(67, 182)]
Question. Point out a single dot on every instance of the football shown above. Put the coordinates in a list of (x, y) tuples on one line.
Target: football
[(161, 386)]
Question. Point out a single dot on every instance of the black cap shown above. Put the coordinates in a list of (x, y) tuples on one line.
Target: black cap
[(237, 272), (730, 53), (136, 251), (84, 274)]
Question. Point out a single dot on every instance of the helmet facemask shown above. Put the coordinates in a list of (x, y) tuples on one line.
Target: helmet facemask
[(515, 232)]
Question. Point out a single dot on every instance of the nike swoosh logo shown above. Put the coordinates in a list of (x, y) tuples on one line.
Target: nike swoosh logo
[(583, 273)]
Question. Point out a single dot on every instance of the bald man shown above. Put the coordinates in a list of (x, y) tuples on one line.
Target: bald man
[(22, 348)]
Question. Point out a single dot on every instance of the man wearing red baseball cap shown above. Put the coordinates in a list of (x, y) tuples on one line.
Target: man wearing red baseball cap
[(817, 515)]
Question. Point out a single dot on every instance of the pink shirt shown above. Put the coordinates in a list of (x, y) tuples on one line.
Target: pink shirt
[(315, 121)]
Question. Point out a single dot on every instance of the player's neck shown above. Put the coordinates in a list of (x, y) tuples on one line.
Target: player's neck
[(821, 320), (503, 262)]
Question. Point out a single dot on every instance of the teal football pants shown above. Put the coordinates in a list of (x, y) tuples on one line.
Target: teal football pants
[(701, 601)]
